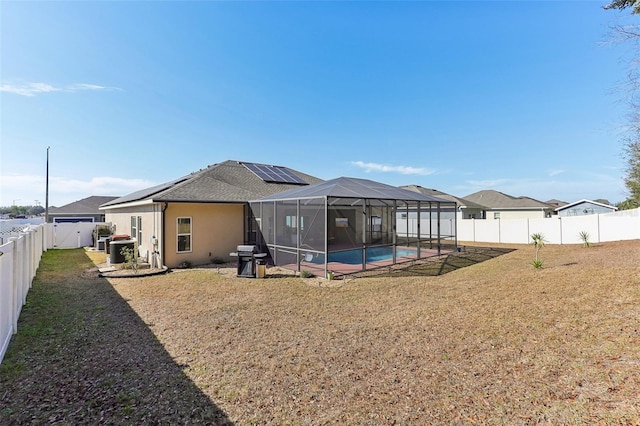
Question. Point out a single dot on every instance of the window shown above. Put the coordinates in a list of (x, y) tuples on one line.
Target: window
[(496, 215), (291, 222), (342, 222), (134, 227), (184, 234)]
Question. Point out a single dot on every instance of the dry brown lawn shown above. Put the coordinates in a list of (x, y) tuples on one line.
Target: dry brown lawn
[(498, 342)]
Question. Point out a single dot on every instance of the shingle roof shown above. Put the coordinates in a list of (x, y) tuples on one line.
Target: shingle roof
[(434, 192), (584, 200), (345, 187), (225, 182), (87, 205), (498, 200), (556, 203)]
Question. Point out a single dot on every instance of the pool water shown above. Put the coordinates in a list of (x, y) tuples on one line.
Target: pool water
[(374, 254)]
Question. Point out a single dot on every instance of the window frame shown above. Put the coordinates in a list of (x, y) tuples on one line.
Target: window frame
[(134, 227), (189, 234)]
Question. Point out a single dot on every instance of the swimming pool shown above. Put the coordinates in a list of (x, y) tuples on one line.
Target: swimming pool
[(374, 254)]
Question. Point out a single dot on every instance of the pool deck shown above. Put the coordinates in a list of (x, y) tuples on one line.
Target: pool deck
[(346, 268)]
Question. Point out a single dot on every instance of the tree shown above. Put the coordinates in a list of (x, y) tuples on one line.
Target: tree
[(627, 204), (631, 153), (624, 4), (632, 157), (35, 210)]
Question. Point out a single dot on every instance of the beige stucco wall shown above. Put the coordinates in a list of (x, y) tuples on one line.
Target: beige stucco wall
[(217, 229), (151, 216)]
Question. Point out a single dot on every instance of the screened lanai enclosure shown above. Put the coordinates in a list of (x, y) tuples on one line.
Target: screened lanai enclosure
[(348, 225)]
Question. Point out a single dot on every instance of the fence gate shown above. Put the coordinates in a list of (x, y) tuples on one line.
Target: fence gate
[(66, 235)]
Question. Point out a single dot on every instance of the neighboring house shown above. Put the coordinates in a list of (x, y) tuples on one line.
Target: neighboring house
[(556, 203), (466, 209), (502, 206), (85, 210), (199, 217), (584, 207)]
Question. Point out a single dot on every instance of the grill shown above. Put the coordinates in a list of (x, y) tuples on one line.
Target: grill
[(249, 261)]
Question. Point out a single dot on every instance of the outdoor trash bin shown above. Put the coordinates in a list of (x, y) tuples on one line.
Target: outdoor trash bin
[(261, 268)]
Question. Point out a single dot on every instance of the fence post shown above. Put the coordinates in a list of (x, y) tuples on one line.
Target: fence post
[(474, 229), (560, 220), (14, 283), (29, 257), (46, 229), (24, 266)]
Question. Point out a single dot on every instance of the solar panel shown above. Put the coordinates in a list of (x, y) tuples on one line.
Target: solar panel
[(274, 174)]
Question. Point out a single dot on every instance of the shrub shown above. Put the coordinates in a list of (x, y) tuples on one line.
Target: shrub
[(184, 264), (538, 241), (217, 260), (584, 236), (306, 274), (130, 258), (102, 231), (537, 263)]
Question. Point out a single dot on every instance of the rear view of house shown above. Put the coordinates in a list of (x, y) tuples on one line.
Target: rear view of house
[(85, 210), (199, 217), (583, 208), (502, 206), (465, 209)]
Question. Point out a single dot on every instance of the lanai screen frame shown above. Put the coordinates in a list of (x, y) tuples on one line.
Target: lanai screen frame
[(303, 232)]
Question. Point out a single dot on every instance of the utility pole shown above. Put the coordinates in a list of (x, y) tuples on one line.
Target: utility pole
[(46, 199)]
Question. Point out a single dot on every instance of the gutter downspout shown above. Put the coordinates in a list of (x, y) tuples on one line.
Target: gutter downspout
[(164, 209)]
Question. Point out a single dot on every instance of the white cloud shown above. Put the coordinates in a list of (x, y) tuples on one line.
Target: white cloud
[(33, 89), (102, 184), (28, 89), (63, 190), (555, 172), (405, 170), (84, 86)]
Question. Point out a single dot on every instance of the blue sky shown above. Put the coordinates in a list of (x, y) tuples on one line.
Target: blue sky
[(523, 97)]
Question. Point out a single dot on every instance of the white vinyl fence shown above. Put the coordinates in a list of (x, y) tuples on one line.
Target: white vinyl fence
[(12, 227), (616, 226), (71, 235), (19, 260)]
